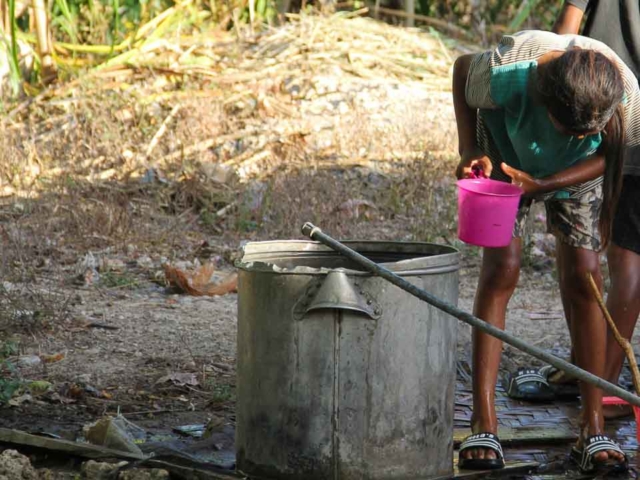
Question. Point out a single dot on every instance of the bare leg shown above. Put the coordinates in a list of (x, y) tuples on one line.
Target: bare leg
[(564, 296), (623, 303), (563, 291), (498, 279), (588, 329)]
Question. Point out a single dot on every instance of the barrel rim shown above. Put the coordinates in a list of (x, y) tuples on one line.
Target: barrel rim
[(444, 258)]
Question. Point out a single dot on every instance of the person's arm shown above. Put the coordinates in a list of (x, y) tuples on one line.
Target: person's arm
[(466, 118), (570, 18), (588, 169)]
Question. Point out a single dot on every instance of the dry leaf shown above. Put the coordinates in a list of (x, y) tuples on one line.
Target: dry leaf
[(355, 208), (180, 379), (18, 401), (75, 391), (52, 358), (198, 282)]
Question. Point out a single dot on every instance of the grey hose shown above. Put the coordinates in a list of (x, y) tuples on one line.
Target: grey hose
[(315, 233)]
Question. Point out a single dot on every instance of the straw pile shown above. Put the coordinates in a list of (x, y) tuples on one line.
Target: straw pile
[(171, 61)]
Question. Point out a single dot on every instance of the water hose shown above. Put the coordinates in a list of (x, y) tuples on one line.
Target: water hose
[(316, 234)]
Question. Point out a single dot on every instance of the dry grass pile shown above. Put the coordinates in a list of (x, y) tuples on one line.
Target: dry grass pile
[(145, 93), (337, 119)]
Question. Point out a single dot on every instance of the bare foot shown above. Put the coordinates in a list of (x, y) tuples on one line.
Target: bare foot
[(481, 453), (611, 412), (606, 456)]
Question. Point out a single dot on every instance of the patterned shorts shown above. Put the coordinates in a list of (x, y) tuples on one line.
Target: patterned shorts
[(573, 221), (572, 214)]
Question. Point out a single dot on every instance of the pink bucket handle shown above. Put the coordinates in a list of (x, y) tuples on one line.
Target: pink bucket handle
[(477, 171)]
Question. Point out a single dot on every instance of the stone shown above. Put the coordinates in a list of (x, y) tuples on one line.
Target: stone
[(144, 474), (15, 466), (100, 470), (29, 361)]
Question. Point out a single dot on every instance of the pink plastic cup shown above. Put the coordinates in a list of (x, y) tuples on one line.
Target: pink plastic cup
[(487, 211)]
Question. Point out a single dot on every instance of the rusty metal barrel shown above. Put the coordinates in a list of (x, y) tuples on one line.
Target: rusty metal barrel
[(341, 375)]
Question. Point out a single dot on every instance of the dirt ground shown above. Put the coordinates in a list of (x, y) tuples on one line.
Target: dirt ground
[(146, 332), (128, 344)]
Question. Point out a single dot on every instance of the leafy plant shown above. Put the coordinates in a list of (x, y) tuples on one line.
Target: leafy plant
[(15, 76), (221, 392), (66, 19), (10, 380), (118, 280)]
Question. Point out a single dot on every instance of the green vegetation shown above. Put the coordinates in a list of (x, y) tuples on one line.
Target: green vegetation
[(77, 36)]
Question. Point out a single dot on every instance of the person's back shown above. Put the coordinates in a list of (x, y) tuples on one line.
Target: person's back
[(603, 18)]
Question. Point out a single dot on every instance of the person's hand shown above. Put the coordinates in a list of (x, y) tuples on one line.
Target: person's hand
[(468, 162), (528, 184)]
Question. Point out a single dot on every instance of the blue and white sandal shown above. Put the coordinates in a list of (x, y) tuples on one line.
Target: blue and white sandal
[(484, 441), (529, 384), (592, 445), (537, 385)]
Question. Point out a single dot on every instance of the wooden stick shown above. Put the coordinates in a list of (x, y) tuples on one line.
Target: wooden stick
[(623, 342), (436, 22), (161, 131)]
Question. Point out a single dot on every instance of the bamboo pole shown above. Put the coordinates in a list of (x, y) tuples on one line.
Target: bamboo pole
[(436, 22), (410, 10), (4, 8), (44, 40), (623, 342)]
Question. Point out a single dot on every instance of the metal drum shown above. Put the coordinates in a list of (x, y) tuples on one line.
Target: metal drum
[(342, 375)]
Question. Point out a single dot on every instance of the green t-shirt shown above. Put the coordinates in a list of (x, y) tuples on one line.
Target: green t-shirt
[(521, 128)]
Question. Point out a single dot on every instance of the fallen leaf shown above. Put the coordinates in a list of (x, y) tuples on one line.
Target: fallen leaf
[(180, 379), (39, 387), (355, 208), (52, 358), (75, 391), (198, 281), (16, 402), (202, 276)]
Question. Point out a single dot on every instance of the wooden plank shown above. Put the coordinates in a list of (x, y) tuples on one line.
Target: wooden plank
[(524, 435), (84, 450), (510, 468), (565, 476), (181, 468)]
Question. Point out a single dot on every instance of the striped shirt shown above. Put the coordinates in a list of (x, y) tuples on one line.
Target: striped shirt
[(530, 46)]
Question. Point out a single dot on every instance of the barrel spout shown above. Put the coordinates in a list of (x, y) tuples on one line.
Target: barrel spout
[(338, 292)]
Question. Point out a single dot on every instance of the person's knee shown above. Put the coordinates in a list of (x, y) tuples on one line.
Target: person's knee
[(578, 271), (501, 274), (624, 269)]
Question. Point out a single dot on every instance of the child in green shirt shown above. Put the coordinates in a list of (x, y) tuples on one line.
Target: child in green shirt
[(550, 114)]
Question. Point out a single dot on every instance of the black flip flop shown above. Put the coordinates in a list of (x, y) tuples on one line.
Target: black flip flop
[(592, 445), (481, 440), (528, 384), (562, 390)]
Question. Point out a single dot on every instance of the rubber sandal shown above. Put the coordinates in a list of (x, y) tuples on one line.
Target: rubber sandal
[(567, 390), (481, 440), (594, 444), (528, 384)]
